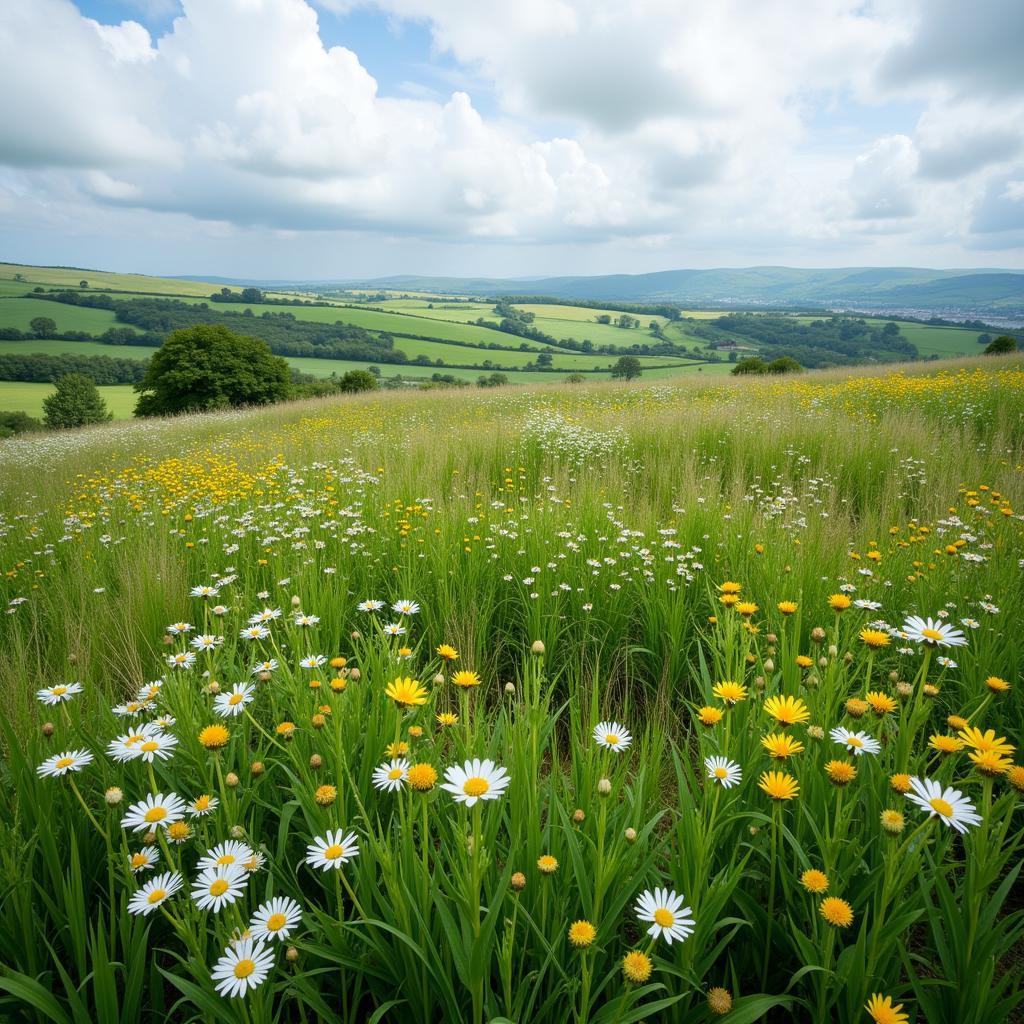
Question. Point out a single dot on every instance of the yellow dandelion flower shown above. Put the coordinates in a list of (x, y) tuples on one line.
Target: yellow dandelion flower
[(779, 785), (840, 773), (466, 679), (407, 692), (636, 966), (881, 703), (214, 737), (730, 692), (781, 745), (787, 710), (582, 934), (875, 639), (837, 912), (839, 602), (709, 716), (881, 1010), (814, 881)]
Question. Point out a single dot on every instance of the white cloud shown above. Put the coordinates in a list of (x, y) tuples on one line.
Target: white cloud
[(681, 127)]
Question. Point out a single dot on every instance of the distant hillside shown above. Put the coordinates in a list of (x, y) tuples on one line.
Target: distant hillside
[(880, 287)]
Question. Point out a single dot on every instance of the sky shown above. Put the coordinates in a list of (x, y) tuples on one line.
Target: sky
[(333, 139)]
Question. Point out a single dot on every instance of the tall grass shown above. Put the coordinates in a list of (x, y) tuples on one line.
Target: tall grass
[(571, 545)]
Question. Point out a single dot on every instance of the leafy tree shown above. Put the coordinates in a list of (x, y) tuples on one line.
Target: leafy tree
[(74, 403), (209, 367), (891, 330), (494, 380), (83, 284), (543, 358), (575, 378), (603, 318), (984, 339), (43, 326), (1004, 343), (751, 364), (627, 368), (18, 422), (784, 364), (357, 380)]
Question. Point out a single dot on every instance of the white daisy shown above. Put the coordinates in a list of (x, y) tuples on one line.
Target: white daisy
[(123, 748), (218, 886), (391, 775), (182, 660), (220, 609), (313, 661), (669, 918), (156, 745), (333, 850), (234, 700), (612, 736), (855, 742), (254, 863), (156, 809), (206, 642), (244, 966), (258, 632), (144, 860), (163, 722), (204, 591), (179, 628), (306, 620), (202, 805), (61, 764), (267, 615), (59, 693), (270, 665), (949, 804), (223, 855), (275, 919), (723, 771), (370, 606), (475, 780), (394, 629), (149, 691), (405, 607), (934, 632), (154, 892)]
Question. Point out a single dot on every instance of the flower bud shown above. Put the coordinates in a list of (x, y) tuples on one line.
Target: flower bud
[(356, 635), (771, 638), (231, 780), (823, 663), (315, 761), (296, 601), (213, 686), (439, 679), (510, 688), (630, 835), (237, 832), (518, 881), (149, 839), (537, 647), (47, 729), (354, 674), (113, 796), (291, 955), (318, 721), (833, 651), (848, 658), (578, 816), (256, 768), (604, 786), (769, 665), (818, 635)]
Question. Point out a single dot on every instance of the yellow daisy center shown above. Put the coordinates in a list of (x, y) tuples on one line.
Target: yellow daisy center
[(201, 803), (475, 786), (244, 968), (395, 773), (219, 887), (139, 860), (334, 851), (59, 691), (276, 922), (931, 634), (612, 739), (236, 698), (226, 858), (941, 807), (156, 895), (664, 918), (149, 746), (63, 762), (155, 814), (721, 773), (854, 741)]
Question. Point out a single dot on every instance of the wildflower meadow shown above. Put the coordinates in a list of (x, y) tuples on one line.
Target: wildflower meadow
[(602, 704)]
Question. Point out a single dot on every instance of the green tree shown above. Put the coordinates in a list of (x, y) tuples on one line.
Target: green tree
[(43, 326), (74, 403), (83, 284), (751, 364), (209, 367), (784, 364), (1004, 343), (627, 368), (18, 422), (575, 378), (357, 380)]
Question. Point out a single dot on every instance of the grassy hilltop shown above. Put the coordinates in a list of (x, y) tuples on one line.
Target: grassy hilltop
[(613, 586)]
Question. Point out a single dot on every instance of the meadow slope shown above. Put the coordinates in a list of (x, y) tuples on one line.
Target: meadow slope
[(498, 692)]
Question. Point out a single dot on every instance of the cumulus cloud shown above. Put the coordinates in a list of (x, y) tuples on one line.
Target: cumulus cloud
[(680, 126)]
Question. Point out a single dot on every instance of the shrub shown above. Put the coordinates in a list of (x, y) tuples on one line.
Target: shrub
[(75, 403)]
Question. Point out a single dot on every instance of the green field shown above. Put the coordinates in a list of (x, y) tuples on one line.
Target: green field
[(16, 312), (61, 277), (24, 396)]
